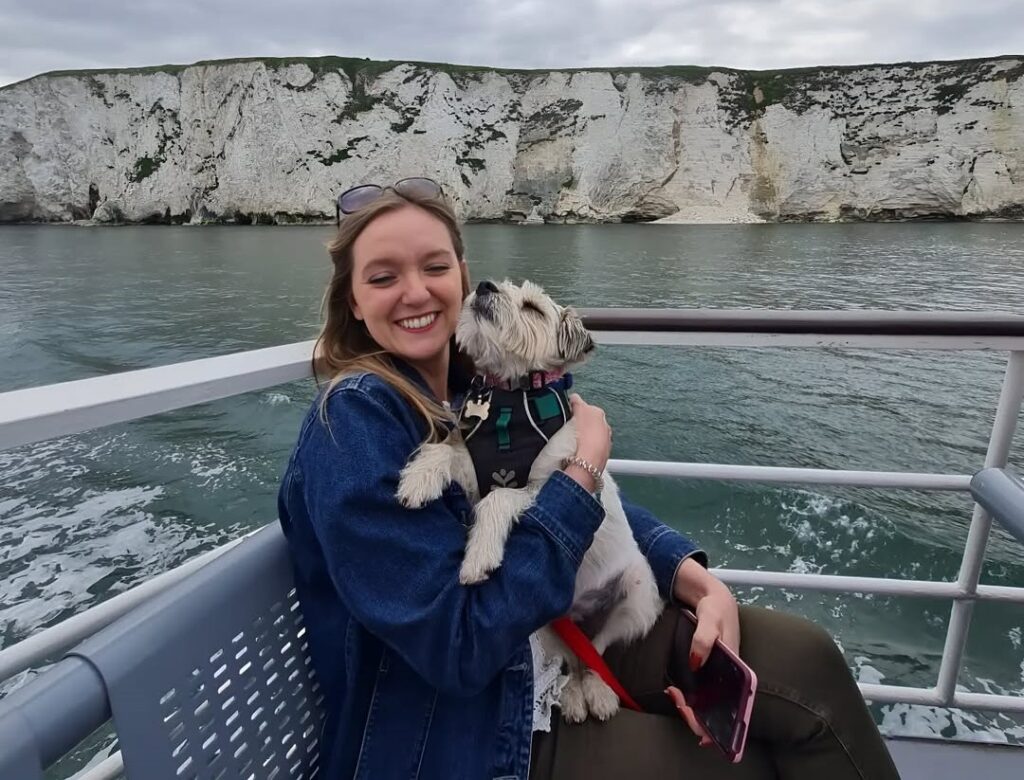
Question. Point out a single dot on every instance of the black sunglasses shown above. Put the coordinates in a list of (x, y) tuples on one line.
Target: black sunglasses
[(356, 198)]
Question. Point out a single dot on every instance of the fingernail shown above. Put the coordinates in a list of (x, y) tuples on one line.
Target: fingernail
[(694, 662)]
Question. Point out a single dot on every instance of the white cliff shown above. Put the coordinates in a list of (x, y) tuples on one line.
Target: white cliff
[(277, 140)]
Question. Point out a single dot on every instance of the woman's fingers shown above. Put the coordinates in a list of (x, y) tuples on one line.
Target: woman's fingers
[(717, 618), (687, 714), (704, 637)]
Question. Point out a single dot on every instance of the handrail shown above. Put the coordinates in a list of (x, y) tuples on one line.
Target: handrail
[(38, 413), (907, 480), (823, 322), (51, 717)]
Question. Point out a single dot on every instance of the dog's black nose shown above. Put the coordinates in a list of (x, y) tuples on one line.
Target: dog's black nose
[(486, 287)]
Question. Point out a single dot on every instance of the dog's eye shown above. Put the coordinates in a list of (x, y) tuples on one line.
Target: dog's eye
[(531, 306)]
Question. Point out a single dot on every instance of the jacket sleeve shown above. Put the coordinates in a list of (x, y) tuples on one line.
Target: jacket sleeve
[(664, 547), (397, 569)]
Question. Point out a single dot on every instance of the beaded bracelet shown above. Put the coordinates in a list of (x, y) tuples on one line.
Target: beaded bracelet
[(592, 470)]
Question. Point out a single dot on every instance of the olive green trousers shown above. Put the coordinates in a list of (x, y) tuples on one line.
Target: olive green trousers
[(809, 720)]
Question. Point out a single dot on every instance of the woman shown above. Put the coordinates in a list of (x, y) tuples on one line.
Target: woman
[(423, 677)]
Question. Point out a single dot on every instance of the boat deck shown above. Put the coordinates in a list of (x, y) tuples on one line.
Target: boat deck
[(929, 759)]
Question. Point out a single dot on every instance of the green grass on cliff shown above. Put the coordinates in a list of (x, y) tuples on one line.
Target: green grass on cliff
[(353, 66), (749, 94)]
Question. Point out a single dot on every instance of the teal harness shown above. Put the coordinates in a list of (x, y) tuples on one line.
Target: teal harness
[(505, 430)]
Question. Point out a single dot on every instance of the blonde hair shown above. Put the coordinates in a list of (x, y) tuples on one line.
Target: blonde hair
[(345, 346)]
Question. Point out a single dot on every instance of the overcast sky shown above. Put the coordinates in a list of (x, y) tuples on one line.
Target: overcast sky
[(42, 35)]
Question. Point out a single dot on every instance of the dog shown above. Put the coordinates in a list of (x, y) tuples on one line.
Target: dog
[(519, 339)]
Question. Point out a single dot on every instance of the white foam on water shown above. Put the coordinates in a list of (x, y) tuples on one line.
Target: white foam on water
[(275, 399), (210, 463), (918, 720), (59, 557), (864, 672), (62, 550), (8, 506), (828, 533), (800, 566)]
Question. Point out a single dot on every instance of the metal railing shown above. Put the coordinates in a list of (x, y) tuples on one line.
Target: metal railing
[(35, 414)]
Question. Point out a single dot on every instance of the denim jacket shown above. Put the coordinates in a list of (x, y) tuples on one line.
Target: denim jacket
[(423, 677)]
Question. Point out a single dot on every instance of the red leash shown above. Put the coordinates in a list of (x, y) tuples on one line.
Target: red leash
[(577, 641)]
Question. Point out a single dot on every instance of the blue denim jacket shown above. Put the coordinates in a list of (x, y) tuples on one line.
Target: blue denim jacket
[(424, 677)]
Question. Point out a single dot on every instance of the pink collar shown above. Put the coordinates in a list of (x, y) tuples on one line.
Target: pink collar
[(532, 381)]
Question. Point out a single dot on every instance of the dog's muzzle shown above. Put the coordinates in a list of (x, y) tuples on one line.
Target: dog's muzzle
[(483, 302)]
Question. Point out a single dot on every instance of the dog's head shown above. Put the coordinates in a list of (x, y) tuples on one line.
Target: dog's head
[(509, 330)]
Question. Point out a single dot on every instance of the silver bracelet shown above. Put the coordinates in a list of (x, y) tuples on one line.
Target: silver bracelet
[(576, 460)]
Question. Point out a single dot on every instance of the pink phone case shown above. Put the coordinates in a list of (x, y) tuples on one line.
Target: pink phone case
[(734, 752)]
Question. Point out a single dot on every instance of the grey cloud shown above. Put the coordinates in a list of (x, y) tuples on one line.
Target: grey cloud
[(42, 35)]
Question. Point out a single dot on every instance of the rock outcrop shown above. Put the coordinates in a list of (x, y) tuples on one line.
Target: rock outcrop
[(277, 140)]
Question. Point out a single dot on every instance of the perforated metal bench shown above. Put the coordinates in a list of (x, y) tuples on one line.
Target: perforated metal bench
[(210, 680)]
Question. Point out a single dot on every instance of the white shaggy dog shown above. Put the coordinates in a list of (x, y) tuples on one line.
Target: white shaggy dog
[(510, 331)]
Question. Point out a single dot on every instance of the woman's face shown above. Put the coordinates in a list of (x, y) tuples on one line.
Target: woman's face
[(407, 285)]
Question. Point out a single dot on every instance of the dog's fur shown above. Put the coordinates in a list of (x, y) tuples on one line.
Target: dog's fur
[(508, 334)]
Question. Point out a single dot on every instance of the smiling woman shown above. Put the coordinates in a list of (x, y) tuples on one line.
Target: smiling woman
[(398, 261), (407, 289)]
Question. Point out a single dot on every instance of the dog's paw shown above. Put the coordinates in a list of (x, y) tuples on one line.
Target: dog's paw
[(418, 486), (475, 570), (572, 701), (485, 548), (413, 492), (426, 476), (602, 701)]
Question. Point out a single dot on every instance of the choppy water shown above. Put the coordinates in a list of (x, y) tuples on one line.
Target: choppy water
[(84, 517)]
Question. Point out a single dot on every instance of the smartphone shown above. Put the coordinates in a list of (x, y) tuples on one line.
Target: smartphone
[(720, 693)]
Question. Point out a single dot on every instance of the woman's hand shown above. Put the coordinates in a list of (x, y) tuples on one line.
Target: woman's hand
[(717, 618), (686, 713), (593, 440)]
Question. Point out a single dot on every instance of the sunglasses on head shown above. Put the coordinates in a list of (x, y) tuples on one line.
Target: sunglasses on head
[(361, 196)]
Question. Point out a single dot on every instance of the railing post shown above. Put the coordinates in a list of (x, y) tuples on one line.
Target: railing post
[(1007, 411)]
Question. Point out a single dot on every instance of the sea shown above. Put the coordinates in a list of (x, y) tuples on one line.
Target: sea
[(85, 517)]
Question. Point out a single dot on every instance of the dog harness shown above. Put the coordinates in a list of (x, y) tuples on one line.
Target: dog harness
[(506, 428)]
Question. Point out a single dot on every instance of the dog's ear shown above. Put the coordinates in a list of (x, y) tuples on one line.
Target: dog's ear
[(574, 341)]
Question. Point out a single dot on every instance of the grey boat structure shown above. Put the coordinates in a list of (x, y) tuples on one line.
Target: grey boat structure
[(205, 672)]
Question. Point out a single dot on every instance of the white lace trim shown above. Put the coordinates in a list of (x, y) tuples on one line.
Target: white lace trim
[(548, 681)]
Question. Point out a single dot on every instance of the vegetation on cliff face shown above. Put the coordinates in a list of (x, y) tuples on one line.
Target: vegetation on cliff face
[(749, 93), (776, 85)]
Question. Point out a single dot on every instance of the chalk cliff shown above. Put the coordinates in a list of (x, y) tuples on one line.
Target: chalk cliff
[(276, 140)]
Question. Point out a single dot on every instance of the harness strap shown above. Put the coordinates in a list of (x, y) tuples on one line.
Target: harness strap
[(577, 641)]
